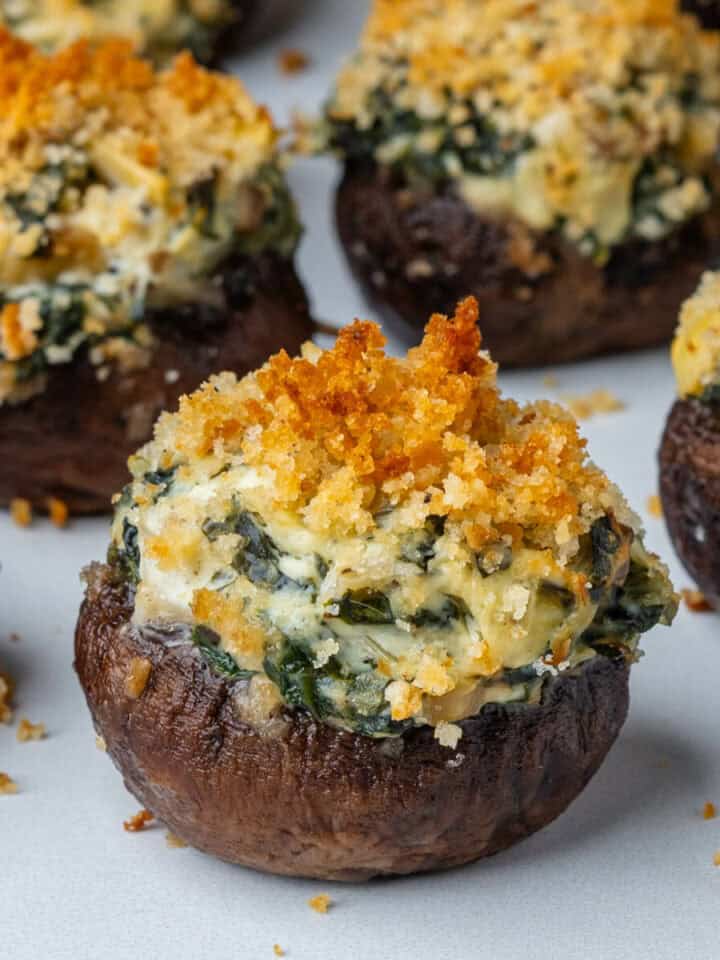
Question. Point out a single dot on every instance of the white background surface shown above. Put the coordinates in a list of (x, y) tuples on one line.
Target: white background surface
[(626, 873)]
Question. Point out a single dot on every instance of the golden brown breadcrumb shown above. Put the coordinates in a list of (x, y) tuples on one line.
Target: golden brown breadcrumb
[(7, 784), (321, 903), (293, 61), (709, 811), (278, 950), (696, 601), (586, 406), (138, 821), (7, 688), (174, 842), (716, 859), (21, 511), (345, 431), (58, 512), (100, 744), (28, 731), (654, 506), (137, 677)]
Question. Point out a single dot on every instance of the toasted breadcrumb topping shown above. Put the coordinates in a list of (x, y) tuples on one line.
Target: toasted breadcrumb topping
[(7, 688), (139, 821), (157, 29), (548, 111), (321, 903), (696, 601), (696, 347), (586, 406), (21, 512), (121, 189), (338, 435), (654, 506), (7, 784), (709, 811), (28, 731)]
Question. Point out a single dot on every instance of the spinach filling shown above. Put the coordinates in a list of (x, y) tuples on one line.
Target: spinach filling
[(392, 139), (125, 559)]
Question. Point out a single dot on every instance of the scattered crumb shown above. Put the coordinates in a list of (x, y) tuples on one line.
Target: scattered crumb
[(695, 601), (716, 859), (21, 512), (100, 744), (137, 678), (448, 734), (585, 406), (293, 61), (709, 811), (7, 687), (550, 380), (321, 903), (27, 731), (58, 512), (278, 950), (174, 842), (654, 506), (138, 822), (7, 785)]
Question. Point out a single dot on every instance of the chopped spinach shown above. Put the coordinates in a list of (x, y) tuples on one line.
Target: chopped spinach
[(558, 594), (258, 556), (610, 548), (220, 661), (711, 395), (450, 610), (280, 229), (366, 606), (494, 559), (161, 478), (127, 558), (420, 547)]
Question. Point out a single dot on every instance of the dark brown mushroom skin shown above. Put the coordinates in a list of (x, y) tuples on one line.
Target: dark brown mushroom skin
[(690, 490), (313, 801), (707, 12), (252, 20), (72, 440), (414, 251)]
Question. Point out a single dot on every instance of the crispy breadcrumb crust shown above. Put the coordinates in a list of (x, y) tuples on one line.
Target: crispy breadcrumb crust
[(28, 731), (338, 435)]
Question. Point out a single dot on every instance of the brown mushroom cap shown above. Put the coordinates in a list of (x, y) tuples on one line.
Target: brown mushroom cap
[(72, 440), (305, 799), (541, 300), (690, 490)]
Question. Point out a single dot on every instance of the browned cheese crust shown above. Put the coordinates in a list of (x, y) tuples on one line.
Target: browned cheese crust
[(541, 300), (72, 440), (304, 799), (690, 490)]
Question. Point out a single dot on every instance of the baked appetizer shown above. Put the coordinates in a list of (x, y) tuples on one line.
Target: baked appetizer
[(158, 30), (556, 159), (690, 450), (146, 241), (363, 615)]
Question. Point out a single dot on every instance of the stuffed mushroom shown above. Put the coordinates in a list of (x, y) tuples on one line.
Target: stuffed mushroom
[(556, 160), (690, 450), (158, 30), (146, 241), (364, 616)]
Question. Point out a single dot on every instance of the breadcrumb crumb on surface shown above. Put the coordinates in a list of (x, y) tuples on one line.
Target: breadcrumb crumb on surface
[(28, 731), (695, 601), (709, 811), (21, 512), (292, 61), (321, 903), (586, 406), (716, 859), (278, 950), (174, 842), (100, 744), (7, 785), (140, 821), (7, 688), (654, 506), (58, 512), (137, 677)]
